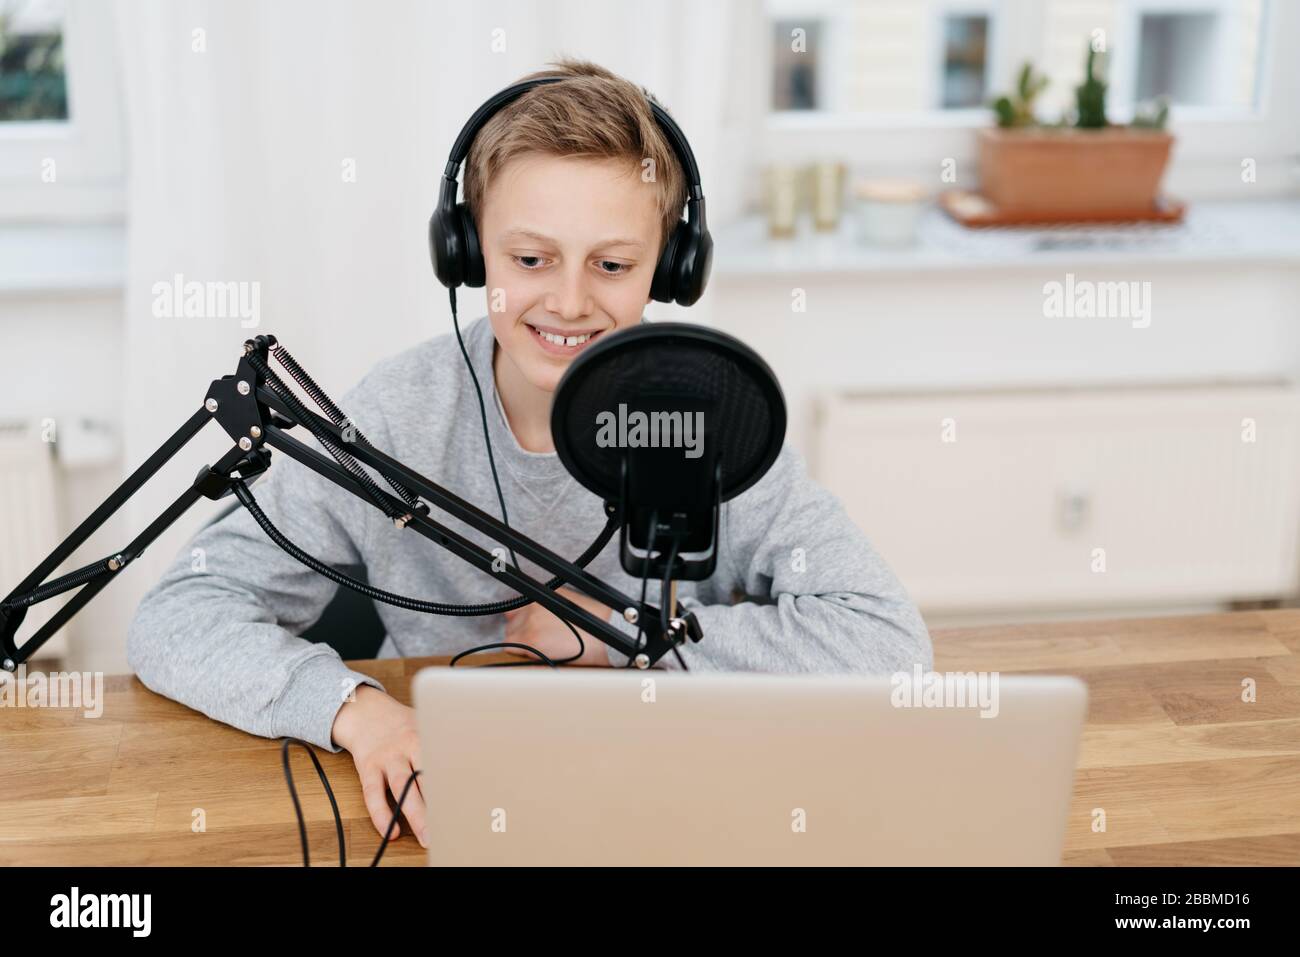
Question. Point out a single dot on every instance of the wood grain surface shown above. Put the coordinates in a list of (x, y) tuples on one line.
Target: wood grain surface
[(1185, 770)]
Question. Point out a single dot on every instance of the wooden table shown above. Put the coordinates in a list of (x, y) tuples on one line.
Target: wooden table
[(1184, 769)]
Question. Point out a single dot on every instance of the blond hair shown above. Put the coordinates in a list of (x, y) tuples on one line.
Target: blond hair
[(591, 113)]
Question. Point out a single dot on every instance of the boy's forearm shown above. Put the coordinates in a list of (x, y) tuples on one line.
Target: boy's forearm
[(804, 633), (252, 675), (847, 633), (840, 633)]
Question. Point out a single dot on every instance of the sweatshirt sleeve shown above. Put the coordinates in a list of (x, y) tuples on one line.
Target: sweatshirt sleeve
[(816, 595), (219, 631)]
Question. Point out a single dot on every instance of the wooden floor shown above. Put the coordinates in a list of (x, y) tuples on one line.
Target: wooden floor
[(1185, 771)]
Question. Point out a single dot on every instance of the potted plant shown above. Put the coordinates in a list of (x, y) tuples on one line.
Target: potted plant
[(1093, 170)]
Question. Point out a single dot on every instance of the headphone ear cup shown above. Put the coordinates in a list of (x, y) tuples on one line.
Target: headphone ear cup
[(696, 263), (445, 248), (473, 274), (661, 287), (683, 268)]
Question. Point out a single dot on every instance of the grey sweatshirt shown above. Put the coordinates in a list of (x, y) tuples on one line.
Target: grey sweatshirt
[(797, 588)]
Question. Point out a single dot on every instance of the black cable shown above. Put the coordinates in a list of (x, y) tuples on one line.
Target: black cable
[(383, 844), (297, 807), (286, 744), (246, 497), (665, 585), (482, 412), (304, 379), (645, 578), (393, 821), (678, 655), (505, 520), (336, 415), (506, 664), (665, 596)]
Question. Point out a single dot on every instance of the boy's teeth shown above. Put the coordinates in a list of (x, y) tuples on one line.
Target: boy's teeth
[(564, 340)]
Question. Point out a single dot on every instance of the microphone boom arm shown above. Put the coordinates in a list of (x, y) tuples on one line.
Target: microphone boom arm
[(256, 417)]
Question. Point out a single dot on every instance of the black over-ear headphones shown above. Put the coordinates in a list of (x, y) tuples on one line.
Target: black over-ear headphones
[(683, 267)]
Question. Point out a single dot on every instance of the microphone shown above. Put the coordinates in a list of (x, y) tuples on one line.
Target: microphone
[(666, 421)]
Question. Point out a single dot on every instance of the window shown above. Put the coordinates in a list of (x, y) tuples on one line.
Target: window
[(881, 56), (965, 61), (1204, 55), (795, 74), (1172, 52), (896, 86), (32, 82), (60, 112), (930, 56)]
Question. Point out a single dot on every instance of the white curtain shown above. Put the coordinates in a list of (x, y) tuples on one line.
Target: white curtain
[(241, 116)]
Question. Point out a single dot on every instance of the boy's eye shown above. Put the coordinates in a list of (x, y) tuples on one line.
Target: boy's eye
[(529, 262), (603, 264)]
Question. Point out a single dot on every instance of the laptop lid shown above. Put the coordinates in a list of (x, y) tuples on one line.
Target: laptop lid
[(530, 766)]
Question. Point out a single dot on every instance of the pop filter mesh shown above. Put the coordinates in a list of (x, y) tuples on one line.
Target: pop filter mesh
[(744, 411)]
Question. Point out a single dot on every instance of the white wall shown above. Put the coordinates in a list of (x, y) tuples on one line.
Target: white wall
[(233, 158)]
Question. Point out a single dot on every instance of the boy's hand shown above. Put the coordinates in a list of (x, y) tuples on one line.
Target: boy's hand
[(380, 733), (539, 628)]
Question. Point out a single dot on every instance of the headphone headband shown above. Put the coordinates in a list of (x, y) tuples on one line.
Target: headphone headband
[(683, 266), (676, 139)]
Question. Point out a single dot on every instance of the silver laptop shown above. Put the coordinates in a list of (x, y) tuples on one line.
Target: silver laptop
[(529, 766)]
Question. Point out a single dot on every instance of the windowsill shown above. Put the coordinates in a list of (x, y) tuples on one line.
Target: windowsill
[(61, 259), (1222, 233)]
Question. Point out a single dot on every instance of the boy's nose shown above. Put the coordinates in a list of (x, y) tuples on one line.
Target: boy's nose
[(570, 299)]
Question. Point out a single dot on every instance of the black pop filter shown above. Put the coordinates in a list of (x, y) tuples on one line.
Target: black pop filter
[(668, 420)]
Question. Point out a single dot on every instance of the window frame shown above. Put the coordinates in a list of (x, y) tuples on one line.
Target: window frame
[(991, 10), (1124, 65), (1268, 133), (87, 147)]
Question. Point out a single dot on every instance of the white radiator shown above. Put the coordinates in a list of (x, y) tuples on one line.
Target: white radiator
[(1062, 499), (29, 496)]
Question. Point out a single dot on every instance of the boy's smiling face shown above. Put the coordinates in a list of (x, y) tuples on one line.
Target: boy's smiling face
[(569, 248)]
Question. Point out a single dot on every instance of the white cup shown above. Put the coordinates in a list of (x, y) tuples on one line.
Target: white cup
[(889, 211)]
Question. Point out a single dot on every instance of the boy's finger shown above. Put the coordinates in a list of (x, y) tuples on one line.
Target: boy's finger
[(417, 794), (372, 792), (399, 772)]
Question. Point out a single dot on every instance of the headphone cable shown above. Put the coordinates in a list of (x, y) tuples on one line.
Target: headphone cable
[(505, 520)]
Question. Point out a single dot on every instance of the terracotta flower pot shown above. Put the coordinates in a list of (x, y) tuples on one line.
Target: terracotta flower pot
[(1053, 174)]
